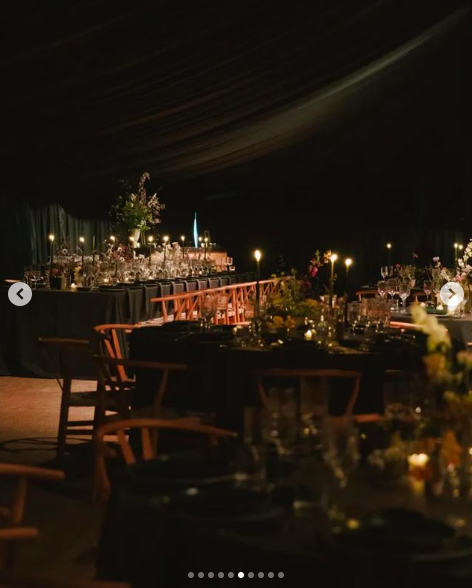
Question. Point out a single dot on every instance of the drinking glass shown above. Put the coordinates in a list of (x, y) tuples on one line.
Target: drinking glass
[(392, 290), (353, 311), (341, 454), (428, 288), (27, 272), (404, 291), (384, 271), (209, 307), (382, 289)]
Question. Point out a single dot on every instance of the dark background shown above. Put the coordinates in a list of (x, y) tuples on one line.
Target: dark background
[(194, 92)]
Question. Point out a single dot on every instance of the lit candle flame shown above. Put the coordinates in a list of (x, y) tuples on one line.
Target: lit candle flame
[(51, 238), (348, 262), (257, 255)]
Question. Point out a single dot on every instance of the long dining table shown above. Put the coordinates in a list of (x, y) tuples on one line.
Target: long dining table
[(220, 377), (73, 314)]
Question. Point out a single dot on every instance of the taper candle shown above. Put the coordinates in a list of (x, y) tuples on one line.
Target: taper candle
[(51, 254), (166, 240), (150, 241), (389, 253), (348, 263), (258, 256), (333, 259), (82, 245)]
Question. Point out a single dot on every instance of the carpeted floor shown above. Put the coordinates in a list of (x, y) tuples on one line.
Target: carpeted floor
[(68, 521)]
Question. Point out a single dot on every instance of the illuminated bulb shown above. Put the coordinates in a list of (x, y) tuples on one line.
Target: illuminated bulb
[(166, 238), (308, 335), (82, 239), (112, 238), (150, 239), (257, 255), (348, 262), (51, 238), (456, 245), (461, 247), (200, 239), (389, 245), (418, 460), (182, 238)]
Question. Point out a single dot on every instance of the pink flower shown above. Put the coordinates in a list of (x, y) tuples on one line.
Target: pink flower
[(313, 271), (458, 278), (435, 259)]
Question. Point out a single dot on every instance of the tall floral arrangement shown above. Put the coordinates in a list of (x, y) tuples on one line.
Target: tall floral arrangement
[(136, 209)]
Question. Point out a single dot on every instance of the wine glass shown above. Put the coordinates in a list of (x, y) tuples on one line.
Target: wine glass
[(384, 271), (341, 454), (382, 289), (404, 291), (353, 311), (392, 289), (209, 306), (428, 288)]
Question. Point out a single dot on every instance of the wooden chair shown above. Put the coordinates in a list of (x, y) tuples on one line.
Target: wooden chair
[(149, 438), (67, 351), (110, 380), (112, 339), (11, 515), (302, 375)]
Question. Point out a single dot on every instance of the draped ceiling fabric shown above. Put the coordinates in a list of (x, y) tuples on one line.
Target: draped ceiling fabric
[(225, 103)]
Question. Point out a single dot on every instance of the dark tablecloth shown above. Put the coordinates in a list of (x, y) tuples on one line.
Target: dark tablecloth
[(145, 545), (56, 313), (220, 376)]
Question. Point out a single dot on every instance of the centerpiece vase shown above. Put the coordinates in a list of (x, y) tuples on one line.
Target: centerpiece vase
[(136, 234)]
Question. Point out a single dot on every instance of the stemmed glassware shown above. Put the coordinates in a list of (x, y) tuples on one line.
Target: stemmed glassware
[(341, 454), (209, 308), (428, 288), (392, 289), (382, 289), (384, 271), (404, 291)]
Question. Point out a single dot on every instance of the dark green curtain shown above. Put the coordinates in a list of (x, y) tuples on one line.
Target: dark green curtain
[(25, 230)]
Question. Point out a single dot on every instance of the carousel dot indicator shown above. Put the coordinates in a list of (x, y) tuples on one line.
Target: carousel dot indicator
[(201, 575), (250, 575), (221, 575), (211, 574), (191, 574), (281, 574), (240, 574), (261, 574)]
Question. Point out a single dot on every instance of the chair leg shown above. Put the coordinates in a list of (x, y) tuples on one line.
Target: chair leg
[(63, 419)]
